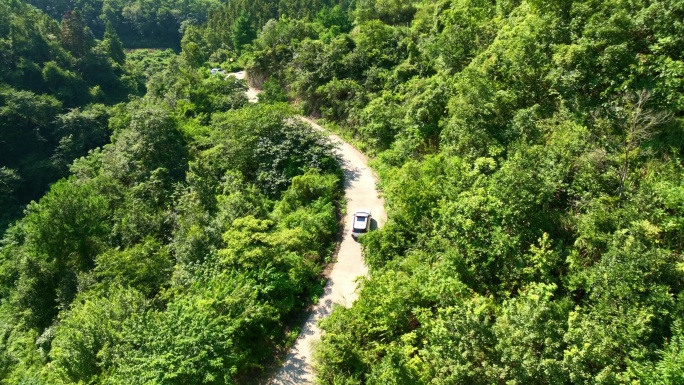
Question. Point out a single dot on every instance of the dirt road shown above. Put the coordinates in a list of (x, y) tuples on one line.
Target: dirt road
[(252, 93), (360, 192)]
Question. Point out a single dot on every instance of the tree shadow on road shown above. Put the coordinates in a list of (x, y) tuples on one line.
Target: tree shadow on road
[(350, 174), (295, 370)]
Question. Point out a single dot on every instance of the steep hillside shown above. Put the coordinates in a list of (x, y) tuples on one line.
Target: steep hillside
[(56, 83)]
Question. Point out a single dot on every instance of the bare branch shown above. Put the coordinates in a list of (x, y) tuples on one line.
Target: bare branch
[(641, 126)]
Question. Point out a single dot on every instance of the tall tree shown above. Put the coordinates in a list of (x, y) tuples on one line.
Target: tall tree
[(76, 36), (243, 31), (192, 50), (112, 45)]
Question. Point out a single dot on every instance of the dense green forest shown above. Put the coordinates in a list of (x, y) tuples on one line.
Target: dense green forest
[(56, 83), (170, 233), (162, 23), (173, 255), (530, 155), (140, 23)]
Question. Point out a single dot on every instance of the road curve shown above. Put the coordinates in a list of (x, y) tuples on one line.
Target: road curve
[(360, 192), (252, 93)]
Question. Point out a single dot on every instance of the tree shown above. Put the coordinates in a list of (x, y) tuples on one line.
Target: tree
[(9, 182), (389, 11), (191, 47), (112, 45), (75, 35), (334, 18), (273, 92), (62, 233), (66, 85), (243, 31), (79, 131), (149, 140), (212, 334), (640, 125), (89, 335), (145, 267), (529, 336)]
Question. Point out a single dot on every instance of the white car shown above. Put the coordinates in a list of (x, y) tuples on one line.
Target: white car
[(361, 223)]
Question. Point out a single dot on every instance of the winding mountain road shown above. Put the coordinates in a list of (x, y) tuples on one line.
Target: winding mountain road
[(360, 193)]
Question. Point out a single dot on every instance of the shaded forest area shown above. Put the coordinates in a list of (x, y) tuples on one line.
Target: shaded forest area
[(56, 82), (162, 23), (140, 23), (530, 154)]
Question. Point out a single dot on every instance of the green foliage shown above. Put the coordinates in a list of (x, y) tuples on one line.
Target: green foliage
[(177, 253), (9, 181), (340, 96), (535, 205), (376, 44), (139, 23), (196, 93), (389, 11), (46, 69), (267, 144), (145, 267), (193, 54), (383, 311), (25, 116), (65, 85), (529, 334), (152, 142), (113, 46), (529, 155), (335, 19), (273, 92), (61, 235), (80, 131), (243, 31), (85, 345), (521, 177), (149, 62), (464, 29), (667, 370), (212, 334), (276, 44), (236, 22), (75, 35)]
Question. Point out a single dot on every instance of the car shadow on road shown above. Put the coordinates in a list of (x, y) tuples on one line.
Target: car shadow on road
[(373, 224)]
